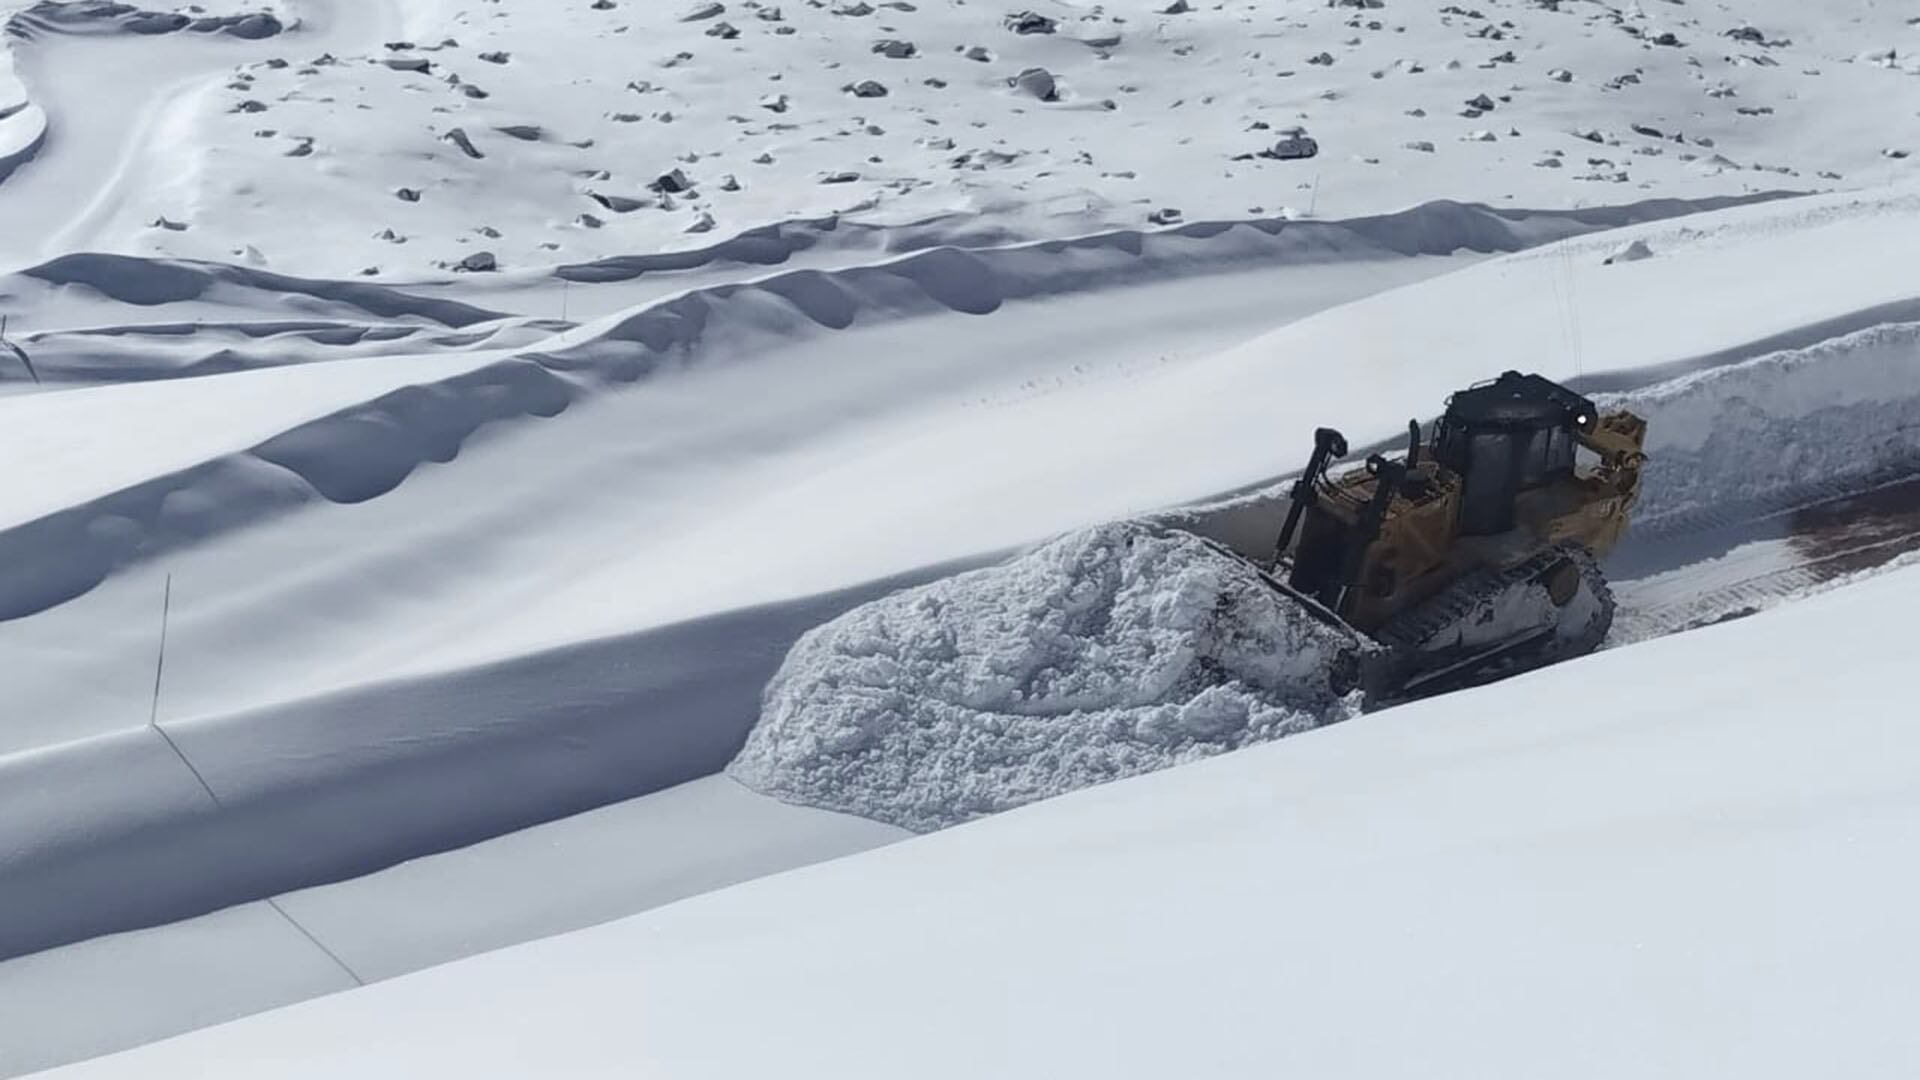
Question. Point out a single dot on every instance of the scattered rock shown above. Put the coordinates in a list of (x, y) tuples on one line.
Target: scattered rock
[(1030, 22), (671, 183), (1297, 146), (458, 137), (1633, 252), (1036, 82)]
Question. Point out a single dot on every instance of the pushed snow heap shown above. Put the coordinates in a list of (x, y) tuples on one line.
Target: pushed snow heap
[(1106, 653)]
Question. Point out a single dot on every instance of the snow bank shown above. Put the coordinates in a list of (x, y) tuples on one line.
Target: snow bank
[(1107, 653), (1840, 415)]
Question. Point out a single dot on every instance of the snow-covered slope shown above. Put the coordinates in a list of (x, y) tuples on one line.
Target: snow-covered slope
[(451, 554), (539, 132), (1687, 858)]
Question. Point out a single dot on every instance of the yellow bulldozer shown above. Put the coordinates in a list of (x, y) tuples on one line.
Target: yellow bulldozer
[(1475, 554)]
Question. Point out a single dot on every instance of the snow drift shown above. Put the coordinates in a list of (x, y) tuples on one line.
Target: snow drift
[(1106, 653)]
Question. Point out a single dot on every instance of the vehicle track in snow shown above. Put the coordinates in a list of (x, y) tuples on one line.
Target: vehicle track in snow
[(91, 157), (1740, 564)]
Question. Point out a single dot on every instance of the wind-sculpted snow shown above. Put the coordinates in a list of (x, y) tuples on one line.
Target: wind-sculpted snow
[(1106, 653), (108, 17)]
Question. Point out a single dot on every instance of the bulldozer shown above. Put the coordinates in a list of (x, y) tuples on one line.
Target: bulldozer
[(1473, 555)]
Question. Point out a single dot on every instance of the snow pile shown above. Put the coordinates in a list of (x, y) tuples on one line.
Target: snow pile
[(1107, 653)]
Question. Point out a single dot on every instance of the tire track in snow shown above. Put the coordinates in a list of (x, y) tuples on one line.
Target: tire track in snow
[(92, 158)]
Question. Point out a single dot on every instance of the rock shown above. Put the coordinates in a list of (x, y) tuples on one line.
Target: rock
[(458, 137), (408, 194), (842, 177), (1295, 147), (588, 221), (1030, 22), (1560, 75), (1037, 83), (250, 106), (980, 53), (1667, 38), (495, 57), (1421, 145), (619, 204), (702, 11), (417, 64), (1482, 102), (729, 183), (1633, 252), (169, 224), (1166, 215), (701, 224), (774, 103), (895, 50), (1178, 7), (725, 31), (671, 183), (867, 88), (1321, 60), (480, 262), (523, 132), (855, 10)]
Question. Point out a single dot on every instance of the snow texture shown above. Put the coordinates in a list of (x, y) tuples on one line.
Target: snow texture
[(1106, 653), (1840, 415)]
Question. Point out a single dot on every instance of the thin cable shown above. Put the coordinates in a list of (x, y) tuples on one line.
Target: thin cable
[(160, 662), (153, 721)]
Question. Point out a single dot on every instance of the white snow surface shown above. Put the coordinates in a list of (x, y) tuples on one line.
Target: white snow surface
[(535, 130), (1688, 858), (1106, 653), (452, 554)]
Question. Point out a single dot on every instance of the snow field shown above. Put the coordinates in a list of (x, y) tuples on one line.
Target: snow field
[(1571, 871), (538, 133)]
